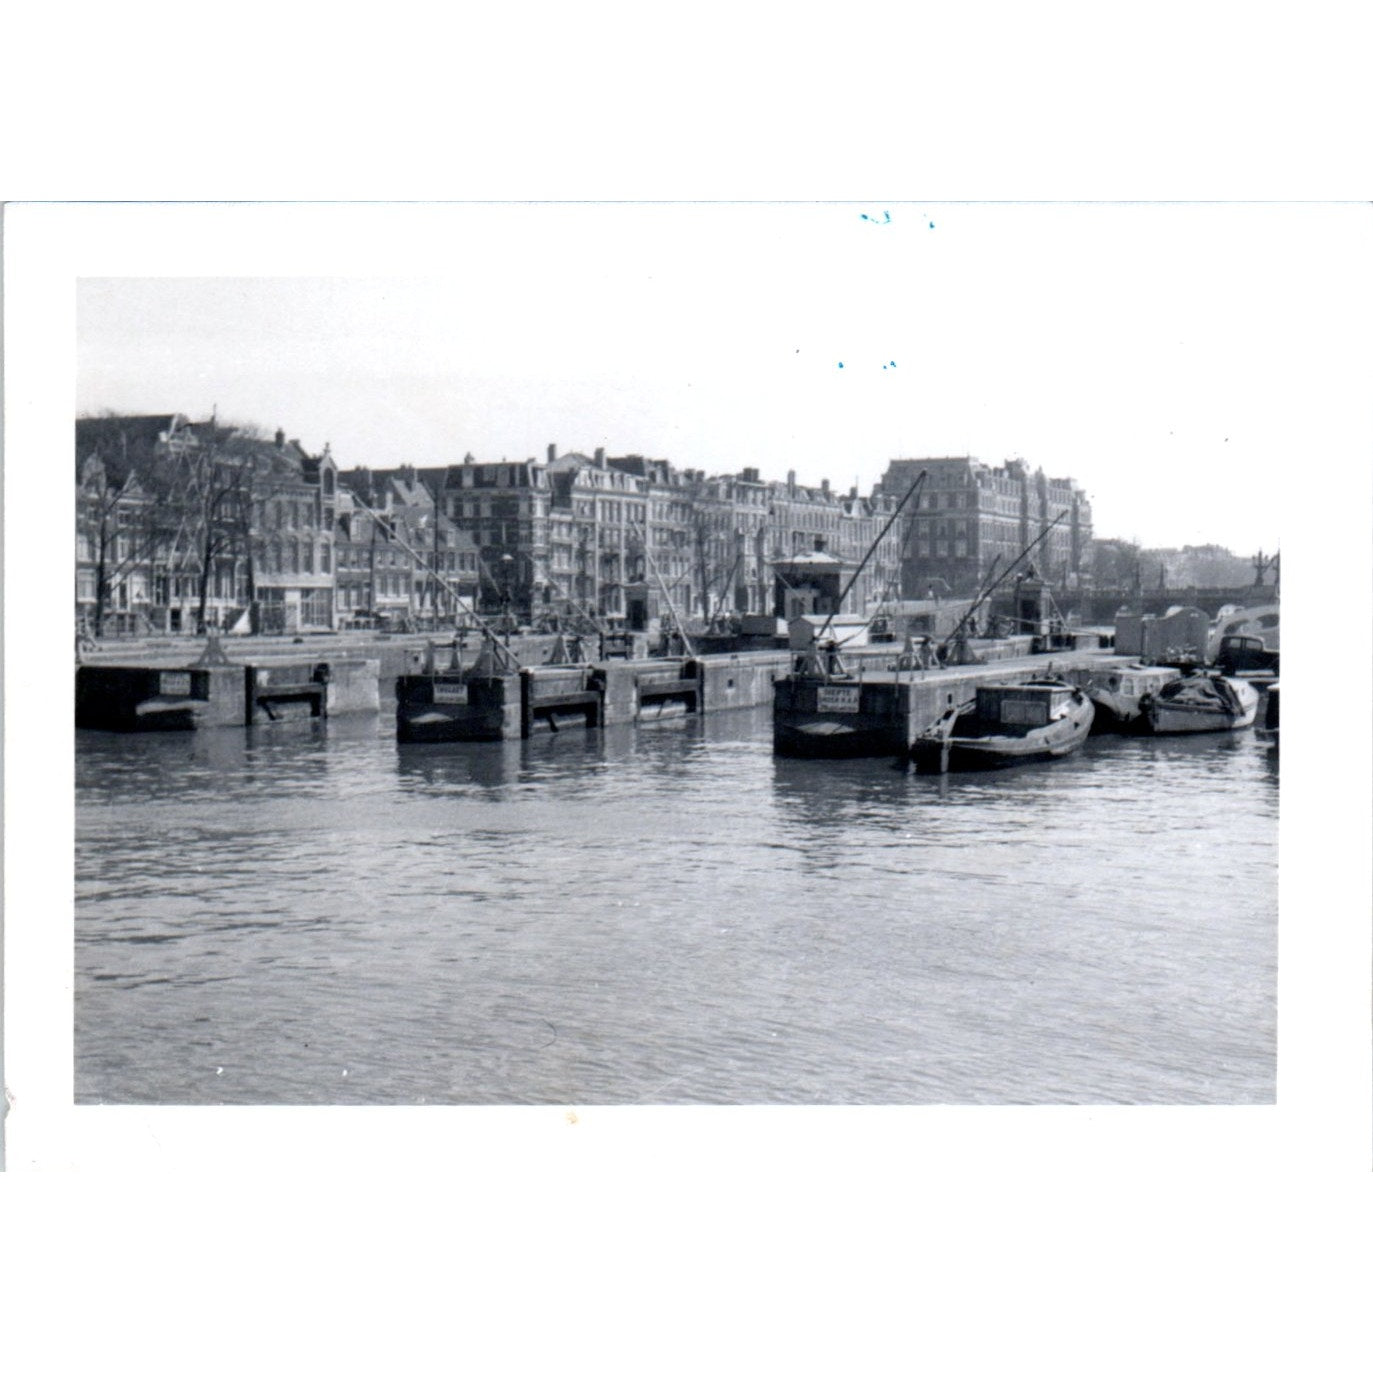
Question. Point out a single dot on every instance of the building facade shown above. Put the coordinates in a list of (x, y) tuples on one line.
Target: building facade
[(179, 522), (970, 521), (400, 560), (184, 525), (633, 540), (295, 499)]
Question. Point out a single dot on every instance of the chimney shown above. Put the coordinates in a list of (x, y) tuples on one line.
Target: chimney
[(791, 481), (825, 485), (281, 438), (600, 457), (552, 452)]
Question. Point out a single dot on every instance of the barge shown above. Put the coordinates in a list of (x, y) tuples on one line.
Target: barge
[(1003, 725)]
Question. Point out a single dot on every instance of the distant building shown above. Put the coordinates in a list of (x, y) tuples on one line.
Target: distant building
[(118, 534), (179, 522), (631, 539), (291, 587), (400, 560), (182, 522), (502, 508), (971, 520)]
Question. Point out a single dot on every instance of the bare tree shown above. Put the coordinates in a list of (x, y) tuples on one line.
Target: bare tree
[(118, 511), (209, 492)]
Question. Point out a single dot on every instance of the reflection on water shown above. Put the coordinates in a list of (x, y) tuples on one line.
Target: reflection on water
[(312, 913)]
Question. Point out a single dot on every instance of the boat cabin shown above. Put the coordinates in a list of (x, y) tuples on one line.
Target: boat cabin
[(1026, 705), (1129, 682)]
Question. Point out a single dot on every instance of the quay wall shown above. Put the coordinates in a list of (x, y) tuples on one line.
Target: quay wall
[(619, 691), (737, 681), (354, 687), (176, 696), (129, 697)]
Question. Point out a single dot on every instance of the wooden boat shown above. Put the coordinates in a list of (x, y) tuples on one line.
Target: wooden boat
[(1202, 703), (1003, 725), (1117, 689)]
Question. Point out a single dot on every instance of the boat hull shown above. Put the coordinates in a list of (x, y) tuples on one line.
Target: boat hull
[(1203, 716), (958, 753), (837, 739), (1268, 731)]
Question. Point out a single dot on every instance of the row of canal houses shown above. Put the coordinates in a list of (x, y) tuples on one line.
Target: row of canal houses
[(186, 523)]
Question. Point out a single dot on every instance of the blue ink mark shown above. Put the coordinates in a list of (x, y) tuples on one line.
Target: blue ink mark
[(931, 224), (841, 364), (886, 218), (885, 365)]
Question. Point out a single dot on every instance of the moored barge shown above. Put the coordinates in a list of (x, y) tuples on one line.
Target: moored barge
[(1005, 725)]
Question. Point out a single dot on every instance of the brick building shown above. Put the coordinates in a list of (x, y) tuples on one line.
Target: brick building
[(174, 515), (970, 516), (619, 537), (400, 559), (291, 582), (181, 521)]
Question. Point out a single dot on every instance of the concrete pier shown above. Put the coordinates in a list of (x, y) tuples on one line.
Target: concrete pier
[(451, 708), (458, 706), (739, 680), (205, 695)]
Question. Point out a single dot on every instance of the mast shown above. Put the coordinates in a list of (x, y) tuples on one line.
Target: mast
[(1011, 567), (872, 548)]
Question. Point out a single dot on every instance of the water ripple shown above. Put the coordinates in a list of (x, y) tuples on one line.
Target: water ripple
[(314, 914)]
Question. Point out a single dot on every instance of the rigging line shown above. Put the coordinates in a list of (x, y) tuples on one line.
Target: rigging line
[(501, 652), (672, 609), (901, 505), (1024, 553), (887, 592)]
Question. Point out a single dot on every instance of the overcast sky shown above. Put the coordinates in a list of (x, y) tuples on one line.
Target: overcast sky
[(1175, 360)]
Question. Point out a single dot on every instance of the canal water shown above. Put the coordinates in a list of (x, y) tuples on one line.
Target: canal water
[(310, 914)]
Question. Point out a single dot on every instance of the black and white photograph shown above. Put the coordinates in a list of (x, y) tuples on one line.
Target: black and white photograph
[(642, 662), (726, 655), (691, 692)]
